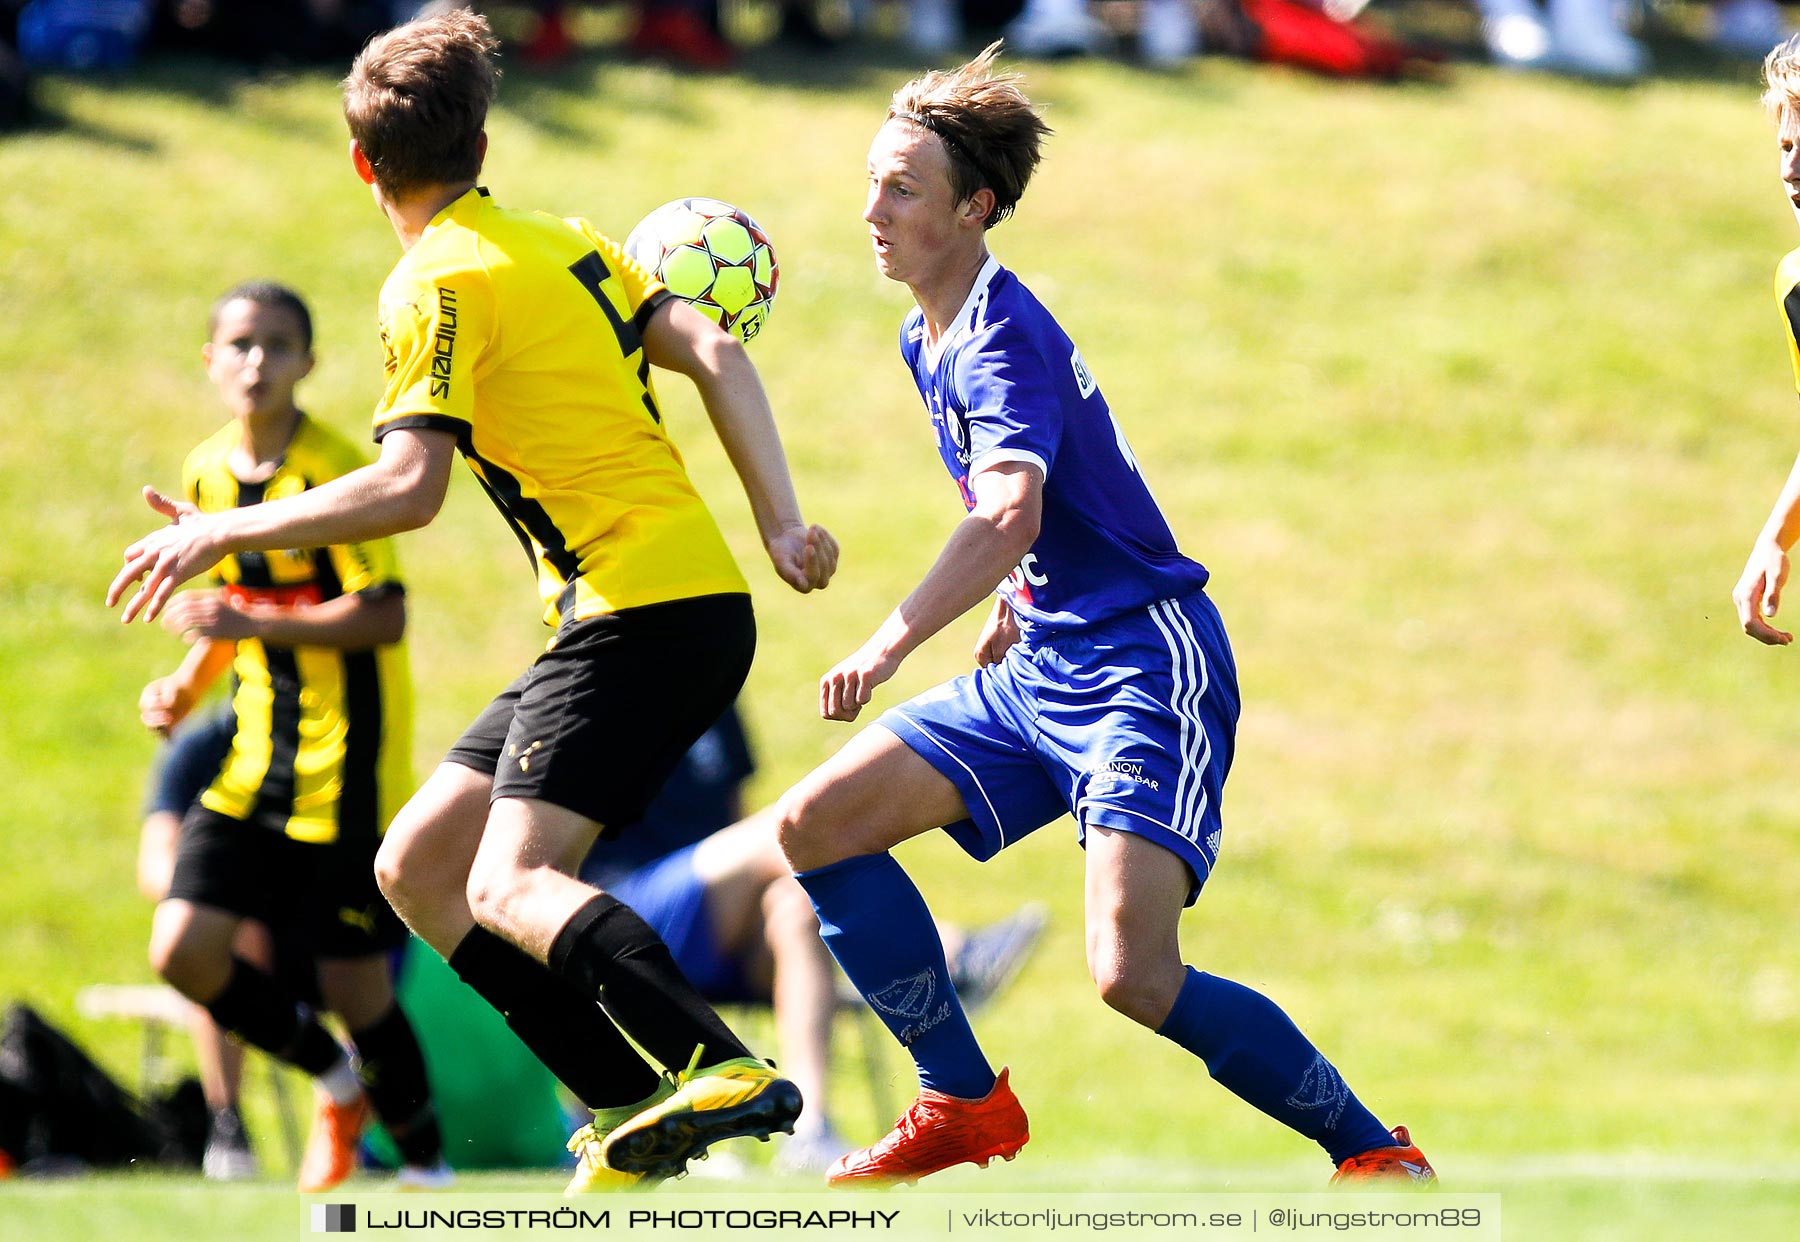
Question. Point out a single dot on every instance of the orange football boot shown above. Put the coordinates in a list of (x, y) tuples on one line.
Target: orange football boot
[(1400, 1163), (939, 1131), (330, 1154)]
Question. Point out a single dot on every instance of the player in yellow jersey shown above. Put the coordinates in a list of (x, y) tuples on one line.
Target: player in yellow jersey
[(1758, 592), (286, 833), (525, 342)]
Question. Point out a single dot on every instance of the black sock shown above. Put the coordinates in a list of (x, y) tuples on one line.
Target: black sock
[(259, 1011), (565, 1030), (392, 1071), (606, 950)]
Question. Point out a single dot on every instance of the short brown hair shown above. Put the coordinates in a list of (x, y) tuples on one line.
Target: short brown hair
[(268, 294), (989, 129), (417, 98)]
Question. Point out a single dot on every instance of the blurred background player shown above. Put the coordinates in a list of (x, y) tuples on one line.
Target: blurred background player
[(1758, 591), (525, 343), (286, 831), (1105, 685), (717, 889), (185, 765)]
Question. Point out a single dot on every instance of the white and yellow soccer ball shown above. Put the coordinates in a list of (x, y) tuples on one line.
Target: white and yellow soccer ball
[(713, 257)]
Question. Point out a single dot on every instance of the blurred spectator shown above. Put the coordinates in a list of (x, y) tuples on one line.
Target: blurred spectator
[(15, 82), (684, 33), (800, 27), (1047, 28), (1748, 27), (259, 32), (82, 36), (933, 26), (1297, 33), (1585, 37)]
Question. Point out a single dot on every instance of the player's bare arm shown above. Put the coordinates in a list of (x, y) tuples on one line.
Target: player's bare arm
[(1758, 591), (679, 338), (984, 547), (401, 490), (166, 702), (354, 622)]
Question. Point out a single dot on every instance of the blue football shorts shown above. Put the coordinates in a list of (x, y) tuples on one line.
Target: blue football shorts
[(1129, 725), (668, 895)]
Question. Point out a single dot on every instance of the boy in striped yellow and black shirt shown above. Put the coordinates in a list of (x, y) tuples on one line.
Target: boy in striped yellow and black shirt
[(1758, 591), (286, 833), (526, 342)]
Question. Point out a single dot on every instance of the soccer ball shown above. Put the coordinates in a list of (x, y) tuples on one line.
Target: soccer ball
[(713, 257)]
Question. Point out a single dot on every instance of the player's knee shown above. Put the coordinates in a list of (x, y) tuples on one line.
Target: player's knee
[(484, 894), (799, 828), (494, 887), (411, 875), (161, 954), (1128, 988), (175, 957), (788, 913), (391, 873)]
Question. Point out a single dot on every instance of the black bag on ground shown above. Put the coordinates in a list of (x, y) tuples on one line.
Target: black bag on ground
[(57, 1106)]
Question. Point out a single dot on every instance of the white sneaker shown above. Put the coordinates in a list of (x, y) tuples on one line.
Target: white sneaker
[(1054, 28), (1747, 27), (1168, 33), (932, 26), (227, 1157), (1588, 41)]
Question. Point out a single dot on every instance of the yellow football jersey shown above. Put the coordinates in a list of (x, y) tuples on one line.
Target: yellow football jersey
[(1787, 276), (520, 334), (324, 736)]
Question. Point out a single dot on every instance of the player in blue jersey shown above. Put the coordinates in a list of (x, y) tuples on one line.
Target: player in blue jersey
[(1105, 685)]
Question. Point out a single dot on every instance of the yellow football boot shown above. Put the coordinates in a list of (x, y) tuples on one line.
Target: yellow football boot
[(592, 1173), (734, 1099)]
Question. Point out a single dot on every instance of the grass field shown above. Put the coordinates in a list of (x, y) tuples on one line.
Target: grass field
[(1471, 395)]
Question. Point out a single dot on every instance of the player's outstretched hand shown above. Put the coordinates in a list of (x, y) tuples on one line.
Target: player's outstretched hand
[(1758, 593), (847, 688), (163, 703), (163, 559), (193, 615), (997, 636), (805, 556)]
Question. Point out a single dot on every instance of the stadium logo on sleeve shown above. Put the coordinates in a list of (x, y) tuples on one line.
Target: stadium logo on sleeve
[(443, 344), (334, 1218), (1084, 378)]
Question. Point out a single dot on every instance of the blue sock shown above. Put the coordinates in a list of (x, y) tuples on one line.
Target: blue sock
[(875, 923), (1254, 1050)]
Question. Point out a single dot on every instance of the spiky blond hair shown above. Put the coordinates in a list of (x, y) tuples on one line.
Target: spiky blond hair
[(989, 129)]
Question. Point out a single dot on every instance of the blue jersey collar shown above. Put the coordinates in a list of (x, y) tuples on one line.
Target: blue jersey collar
[(965, 318)]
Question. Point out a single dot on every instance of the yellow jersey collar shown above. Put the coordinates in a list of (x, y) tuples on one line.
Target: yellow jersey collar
[(461, 208)]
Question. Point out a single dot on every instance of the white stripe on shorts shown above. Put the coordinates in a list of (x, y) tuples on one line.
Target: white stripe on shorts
[(1186, 624), (1187, 667)]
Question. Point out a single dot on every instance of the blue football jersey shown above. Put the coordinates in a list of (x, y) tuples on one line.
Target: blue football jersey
[(1005, 383)]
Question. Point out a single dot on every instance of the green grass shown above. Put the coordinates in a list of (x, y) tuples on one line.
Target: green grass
[(1471, 395)]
